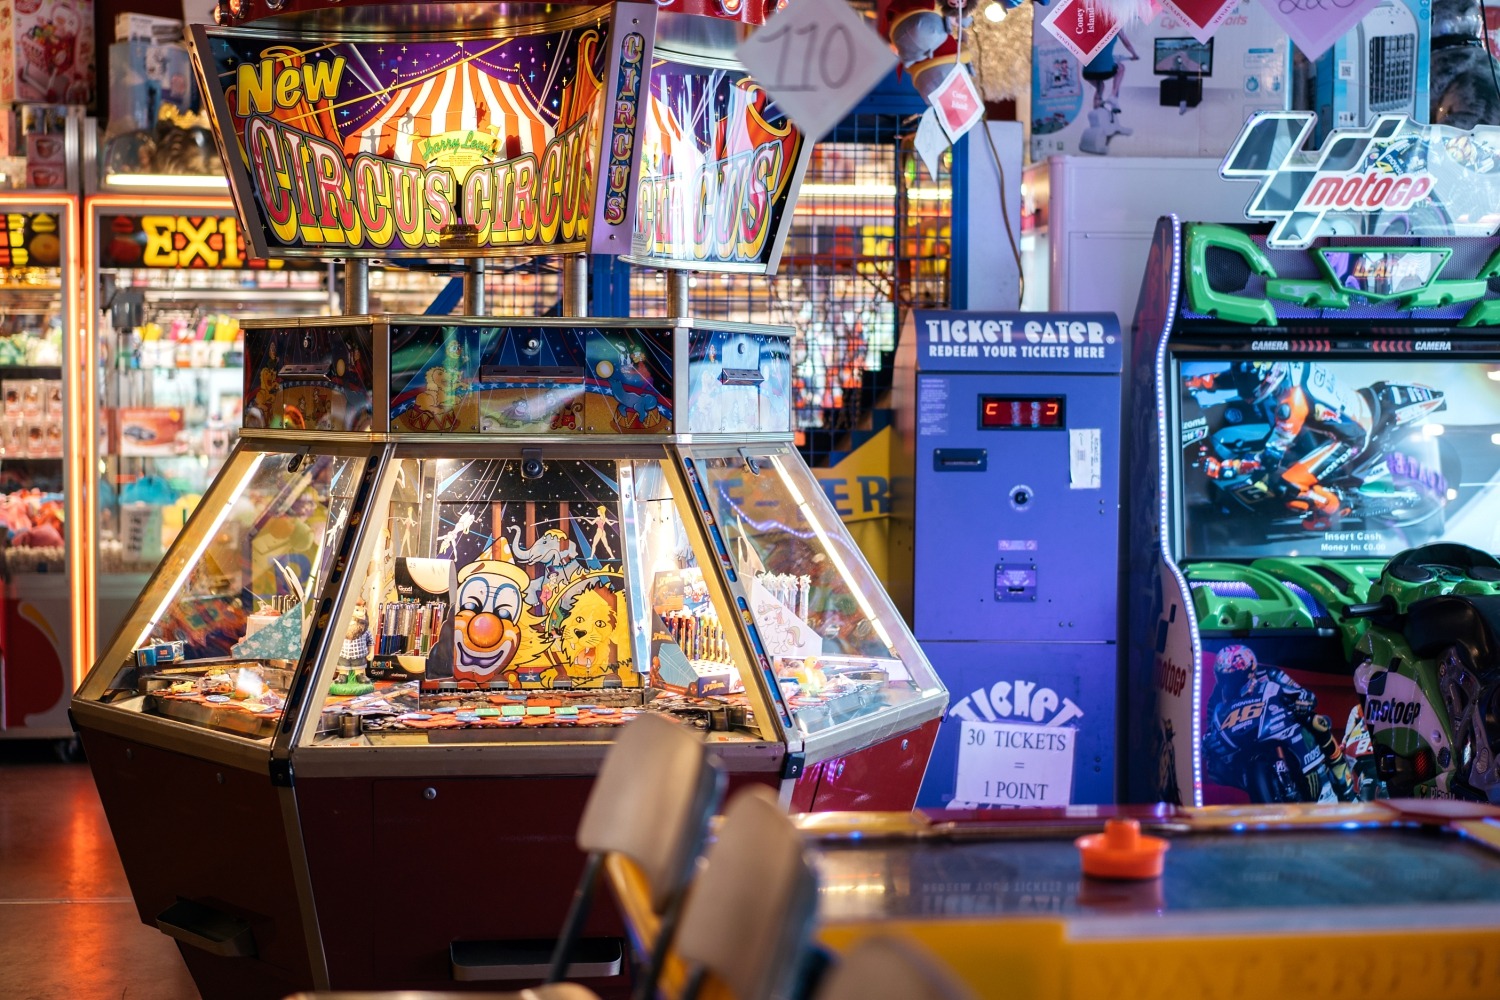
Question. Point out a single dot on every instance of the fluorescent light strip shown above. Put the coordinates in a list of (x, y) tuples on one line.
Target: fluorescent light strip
[(193, 181), (871, 190), (208, 536), (833, 554)]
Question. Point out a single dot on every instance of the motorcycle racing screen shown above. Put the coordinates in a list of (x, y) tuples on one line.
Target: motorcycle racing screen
[(1335, 458)]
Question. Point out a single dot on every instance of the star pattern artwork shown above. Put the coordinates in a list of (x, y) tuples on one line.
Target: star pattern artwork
[(530, 73)]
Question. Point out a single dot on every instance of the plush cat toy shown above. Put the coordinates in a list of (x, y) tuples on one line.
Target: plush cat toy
[(1463, 71)]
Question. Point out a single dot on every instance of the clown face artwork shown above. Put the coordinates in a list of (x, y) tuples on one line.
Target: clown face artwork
[(486, 625)]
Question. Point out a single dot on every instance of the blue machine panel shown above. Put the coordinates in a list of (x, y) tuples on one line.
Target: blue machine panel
[(1057, 686), (1015, 445)]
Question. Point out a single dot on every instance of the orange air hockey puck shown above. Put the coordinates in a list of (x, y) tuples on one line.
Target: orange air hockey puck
[(1122, 852)]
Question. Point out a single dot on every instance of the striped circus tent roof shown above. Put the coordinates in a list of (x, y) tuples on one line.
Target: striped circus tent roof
[(459, 97)]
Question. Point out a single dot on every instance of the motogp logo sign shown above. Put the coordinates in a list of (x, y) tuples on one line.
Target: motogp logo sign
[(1393, 177)]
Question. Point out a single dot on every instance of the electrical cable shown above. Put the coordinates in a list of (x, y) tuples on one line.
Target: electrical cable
[(1015, 249)]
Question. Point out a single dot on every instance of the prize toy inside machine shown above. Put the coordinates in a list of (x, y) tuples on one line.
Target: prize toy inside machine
[(449, 557), (1317, 620)]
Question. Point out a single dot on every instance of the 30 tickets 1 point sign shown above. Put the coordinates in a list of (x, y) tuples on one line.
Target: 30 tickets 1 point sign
[(515, 143)]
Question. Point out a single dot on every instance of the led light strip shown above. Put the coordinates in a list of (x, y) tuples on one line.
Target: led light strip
[(196, 182), (203, 543), (1191, 617), (85, 407), (833, 554)]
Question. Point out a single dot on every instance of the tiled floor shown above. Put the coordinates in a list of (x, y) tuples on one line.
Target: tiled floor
[(68, 929)]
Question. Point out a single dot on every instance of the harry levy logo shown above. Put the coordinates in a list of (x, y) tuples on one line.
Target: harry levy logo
[(1441, 181)]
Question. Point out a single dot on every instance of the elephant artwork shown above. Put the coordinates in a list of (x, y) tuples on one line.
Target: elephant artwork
[(554, 553)]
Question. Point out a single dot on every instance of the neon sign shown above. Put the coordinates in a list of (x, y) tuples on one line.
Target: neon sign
[(176, 242), (485, 145)]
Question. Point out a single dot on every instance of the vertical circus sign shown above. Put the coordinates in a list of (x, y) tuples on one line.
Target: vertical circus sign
[(624, 118), (486, 145), (719, 172)]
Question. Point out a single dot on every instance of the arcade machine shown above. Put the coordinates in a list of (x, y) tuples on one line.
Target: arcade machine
[(41, 493), (1322, 397), (375, 673), (171, 280), (1008, 437)]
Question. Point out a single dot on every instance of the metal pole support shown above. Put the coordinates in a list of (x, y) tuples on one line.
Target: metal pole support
[(356, 286), (476, 301), (575, 285), (678, 303)]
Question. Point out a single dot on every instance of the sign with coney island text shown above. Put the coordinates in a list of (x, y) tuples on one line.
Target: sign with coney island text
[(482, 145), (720, 167)]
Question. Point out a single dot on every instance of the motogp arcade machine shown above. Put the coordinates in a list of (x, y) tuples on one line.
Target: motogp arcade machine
[(1008, 436), (1308, 402), (450, 555)]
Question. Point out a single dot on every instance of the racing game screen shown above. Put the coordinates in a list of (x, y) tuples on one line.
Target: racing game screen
[(1340, 459)]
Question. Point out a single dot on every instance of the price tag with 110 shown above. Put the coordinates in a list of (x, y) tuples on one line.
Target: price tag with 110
[(816, 58)]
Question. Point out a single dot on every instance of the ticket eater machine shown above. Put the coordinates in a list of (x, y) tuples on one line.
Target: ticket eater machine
[(1009, 439)]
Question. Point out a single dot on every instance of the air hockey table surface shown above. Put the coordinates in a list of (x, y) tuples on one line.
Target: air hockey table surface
[(1367, 901)]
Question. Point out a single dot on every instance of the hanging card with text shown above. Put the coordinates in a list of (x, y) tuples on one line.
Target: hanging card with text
[(1084, 27), (1202, 17), (817, 58), (1316, 26), (957, 102)]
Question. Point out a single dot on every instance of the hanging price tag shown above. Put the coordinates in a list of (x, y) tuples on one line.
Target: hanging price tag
[(957, 103), (817, 58), (930, 141)]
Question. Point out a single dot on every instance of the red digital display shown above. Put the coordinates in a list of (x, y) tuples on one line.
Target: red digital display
[(1021, 412)]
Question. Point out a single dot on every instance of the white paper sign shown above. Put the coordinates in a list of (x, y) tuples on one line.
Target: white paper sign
[(1008, 764), (930, 142), (817, 58), (1084, 458)]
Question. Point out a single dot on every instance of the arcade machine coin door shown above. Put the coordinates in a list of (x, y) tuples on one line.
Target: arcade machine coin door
[(1011, 426)]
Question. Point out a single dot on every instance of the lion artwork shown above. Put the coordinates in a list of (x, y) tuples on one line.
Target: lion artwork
[(595, 639)]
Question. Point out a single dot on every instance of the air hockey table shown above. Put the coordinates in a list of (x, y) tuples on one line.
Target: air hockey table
[(1367, 900)]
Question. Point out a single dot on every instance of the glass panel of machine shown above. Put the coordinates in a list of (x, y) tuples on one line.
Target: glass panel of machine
[(226, 625), (500, 610), (824, 620), (1357, 458), (31, 431), (1383, 274)]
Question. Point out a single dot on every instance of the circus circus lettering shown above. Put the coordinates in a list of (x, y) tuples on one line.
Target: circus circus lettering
[(313, 195), (376, 146), (721, 209)]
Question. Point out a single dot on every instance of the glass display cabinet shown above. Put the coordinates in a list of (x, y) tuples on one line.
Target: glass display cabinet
[(40, 488), (170, 281), (455, 556), (377, 669)]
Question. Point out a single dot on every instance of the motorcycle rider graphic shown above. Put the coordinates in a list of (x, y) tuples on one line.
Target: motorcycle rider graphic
[(1237, 714), (1298, 396)]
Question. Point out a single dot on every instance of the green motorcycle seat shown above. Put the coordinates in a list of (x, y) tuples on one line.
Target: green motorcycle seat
[(1473, 622)]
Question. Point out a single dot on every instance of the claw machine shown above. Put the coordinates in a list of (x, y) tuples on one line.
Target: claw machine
[(376, 671), (41, 498), (170, 280)]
